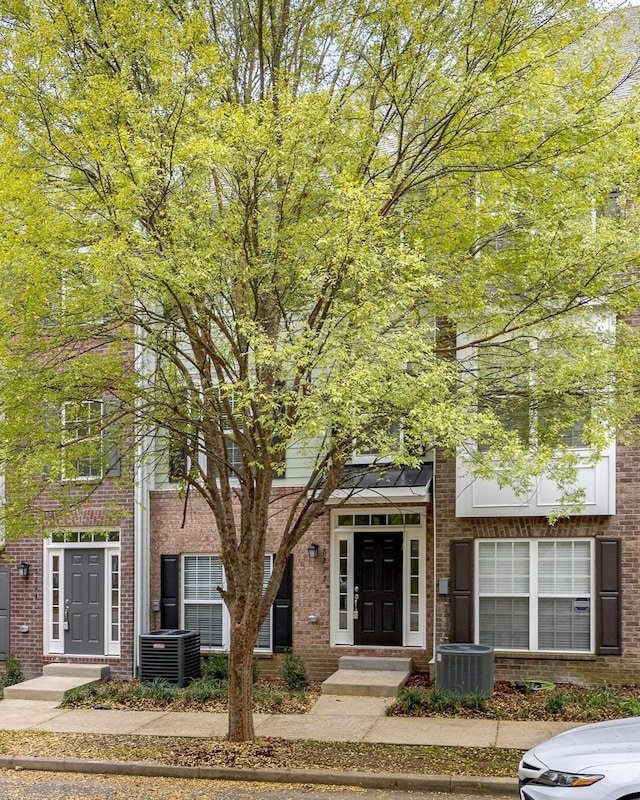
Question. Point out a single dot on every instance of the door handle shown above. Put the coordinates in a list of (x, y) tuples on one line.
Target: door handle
[(66, 614), (356, 597)]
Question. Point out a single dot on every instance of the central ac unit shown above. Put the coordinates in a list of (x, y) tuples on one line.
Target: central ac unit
[(465, 668)]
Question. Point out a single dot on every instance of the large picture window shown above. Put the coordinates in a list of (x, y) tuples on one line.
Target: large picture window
[(535, 595), (204, 609)]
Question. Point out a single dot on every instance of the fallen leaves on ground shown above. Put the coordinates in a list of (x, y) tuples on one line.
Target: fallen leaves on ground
[(265, 753), (562, 702)]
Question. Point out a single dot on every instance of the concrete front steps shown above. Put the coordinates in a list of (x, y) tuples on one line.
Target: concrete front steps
[(365, 676), (56, 680)]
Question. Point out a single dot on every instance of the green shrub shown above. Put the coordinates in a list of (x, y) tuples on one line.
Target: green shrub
[(81, 693), (631, 706), (522, 686), (12, 671), (443, 700), (157, 690), (413, 698), (205, 690), (555, 703), (268, 696), (216, 667), (598, 698), (474, 702), (294, 673)]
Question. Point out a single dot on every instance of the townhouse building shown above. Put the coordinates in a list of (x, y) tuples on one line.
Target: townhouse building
[(404, 559)]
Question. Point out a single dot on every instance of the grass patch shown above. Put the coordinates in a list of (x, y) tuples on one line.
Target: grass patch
[(521, 700), (267, 753), (270, 696)]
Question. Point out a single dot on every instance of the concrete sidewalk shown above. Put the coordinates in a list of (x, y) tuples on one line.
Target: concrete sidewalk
[(333, 718)]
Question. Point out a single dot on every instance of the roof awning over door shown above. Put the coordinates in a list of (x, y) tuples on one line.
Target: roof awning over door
[(379, 483)]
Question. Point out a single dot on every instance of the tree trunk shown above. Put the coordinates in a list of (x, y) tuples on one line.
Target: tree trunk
[(240, 686)]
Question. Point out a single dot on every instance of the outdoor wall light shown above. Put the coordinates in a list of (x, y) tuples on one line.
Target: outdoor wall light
[(313, 550), (23, 570)]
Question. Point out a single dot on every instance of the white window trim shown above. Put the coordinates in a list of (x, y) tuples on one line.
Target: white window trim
[(346, 533), (56, 646), (477, 497), (534, 595), (163, 440), (82, 478), (226, 623)]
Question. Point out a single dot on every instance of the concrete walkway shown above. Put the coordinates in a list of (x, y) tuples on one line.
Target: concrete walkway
[(333, 718)]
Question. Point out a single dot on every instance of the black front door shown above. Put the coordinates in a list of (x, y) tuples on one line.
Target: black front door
[(378, 589), (84, 602)]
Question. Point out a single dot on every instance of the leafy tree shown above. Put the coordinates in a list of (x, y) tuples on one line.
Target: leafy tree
[(241, 221)]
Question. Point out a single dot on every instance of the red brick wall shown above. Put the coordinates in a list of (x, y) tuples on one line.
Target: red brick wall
[(177, 528), (111, 506), (625, 524)]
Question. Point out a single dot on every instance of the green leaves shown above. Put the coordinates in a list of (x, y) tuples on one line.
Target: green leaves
[(284, 204)]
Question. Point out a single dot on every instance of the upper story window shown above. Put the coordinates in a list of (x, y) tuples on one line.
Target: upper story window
[(538, 410), (234, 453), (82, 438), (616, 206), (90, 444), (184, 440), (369, 451), (512, 390)]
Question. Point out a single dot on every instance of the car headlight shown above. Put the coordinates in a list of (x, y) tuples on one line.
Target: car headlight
[(553, 778)]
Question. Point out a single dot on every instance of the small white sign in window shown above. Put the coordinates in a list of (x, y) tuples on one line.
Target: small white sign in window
[(581, 605)]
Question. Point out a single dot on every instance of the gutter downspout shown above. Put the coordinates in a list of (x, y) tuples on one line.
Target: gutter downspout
[(435, 569), (142, 483)]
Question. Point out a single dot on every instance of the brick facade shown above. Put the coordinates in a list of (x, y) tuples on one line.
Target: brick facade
[(177, 527), (110, 507), (625, 525)]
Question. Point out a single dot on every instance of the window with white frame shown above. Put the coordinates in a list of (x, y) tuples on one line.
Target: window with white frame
[(203, 608), (508, 389), (234, 455), (535, 595), (82, 437), (183, 445)]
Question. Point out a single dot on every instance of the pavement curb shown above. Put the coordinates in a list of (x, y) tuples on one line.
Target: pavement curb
[(366, 780)]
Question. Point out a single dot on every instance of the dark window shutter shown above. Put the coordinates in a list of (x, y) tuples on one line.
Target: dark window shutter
[(169, 592), (282, 612), (608, 608), (4, 612), (51, 422), (112, 436), (461, 590), (276, 440)]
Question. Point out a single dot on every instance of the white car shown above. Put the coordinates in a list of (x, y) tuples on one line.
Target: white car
[(592, 762)]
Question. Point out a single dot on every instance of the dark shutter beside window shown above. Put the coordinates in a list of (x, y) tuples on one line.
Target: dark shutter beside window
[(282, 612), (112, 435), (461, 590), (4, 612), (169, 592), (608, 608)]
